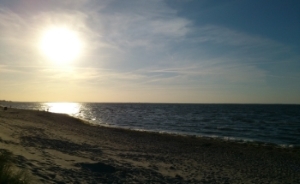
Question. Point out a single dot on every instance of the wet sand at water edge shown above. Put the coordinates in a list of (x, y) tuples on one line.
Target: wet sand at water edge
[(57, 148)]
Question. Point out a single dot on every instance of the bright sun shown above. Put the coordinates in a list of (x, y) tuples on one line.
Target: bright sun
[(61, 45)]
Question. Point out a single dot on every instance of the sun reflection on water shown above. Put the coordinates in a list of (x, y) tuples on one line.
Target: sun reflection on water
[(63, 107)]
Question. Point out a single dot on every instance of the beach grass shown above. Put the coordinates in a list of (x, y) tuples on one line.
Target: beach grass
[(8, 174)]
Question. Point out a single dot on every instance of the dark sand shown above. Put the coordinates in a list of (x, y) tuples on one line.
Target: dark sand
[(56, 148)]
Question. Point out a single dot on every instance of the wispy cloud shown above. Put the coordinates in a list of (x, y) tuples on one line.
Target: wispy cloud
[(228, 36), (141, 26)]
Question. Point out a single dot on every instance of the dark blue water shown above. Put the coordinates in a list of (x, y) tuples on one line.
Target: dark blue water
[(278, 124)]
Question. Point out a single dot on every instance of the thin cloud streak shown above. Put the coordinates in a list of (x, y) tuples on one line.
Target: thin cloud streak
[(227, 36)]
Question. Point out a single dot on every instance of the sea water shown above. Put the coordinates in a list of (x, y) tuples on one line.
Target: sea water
[(275, 124)]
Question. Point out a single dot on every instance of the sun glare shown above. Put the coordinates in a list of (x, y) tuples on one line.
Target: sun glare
[(61, 45), (63, 107)]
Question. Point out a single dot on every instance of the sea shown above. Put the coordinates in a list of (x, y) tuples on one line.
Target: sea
[(258, 123)]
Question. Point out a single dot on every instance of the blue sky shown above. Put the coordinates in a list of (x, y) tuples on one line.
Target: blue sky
[(178, 51)]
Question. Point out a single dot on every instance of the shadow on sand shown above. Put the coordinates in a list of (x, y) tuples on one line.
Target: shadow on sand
[(97, 167)]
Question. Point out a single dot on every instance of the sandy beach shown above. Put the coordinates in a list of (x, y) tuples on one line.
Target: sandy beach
[(57, 148)]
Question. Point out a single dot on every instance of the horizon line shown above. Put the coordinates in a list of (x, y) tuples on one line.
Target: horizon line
[(204, 103)]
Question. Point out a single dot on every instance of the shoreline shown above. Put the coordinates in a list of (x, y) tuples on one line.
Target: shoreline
[(213, 137), (248, 130), (59, 148)]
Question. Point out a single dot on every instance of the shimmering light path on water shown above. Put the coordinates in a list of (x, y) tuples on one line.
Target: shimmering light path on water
[(63, 107)]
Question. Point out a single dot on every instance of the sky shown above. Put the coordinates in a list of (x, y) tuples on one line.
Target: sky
[(168, 51)]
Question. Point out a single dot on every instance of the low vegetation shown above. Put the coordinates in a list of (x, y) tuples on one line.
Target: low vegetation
[(8, 175)]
